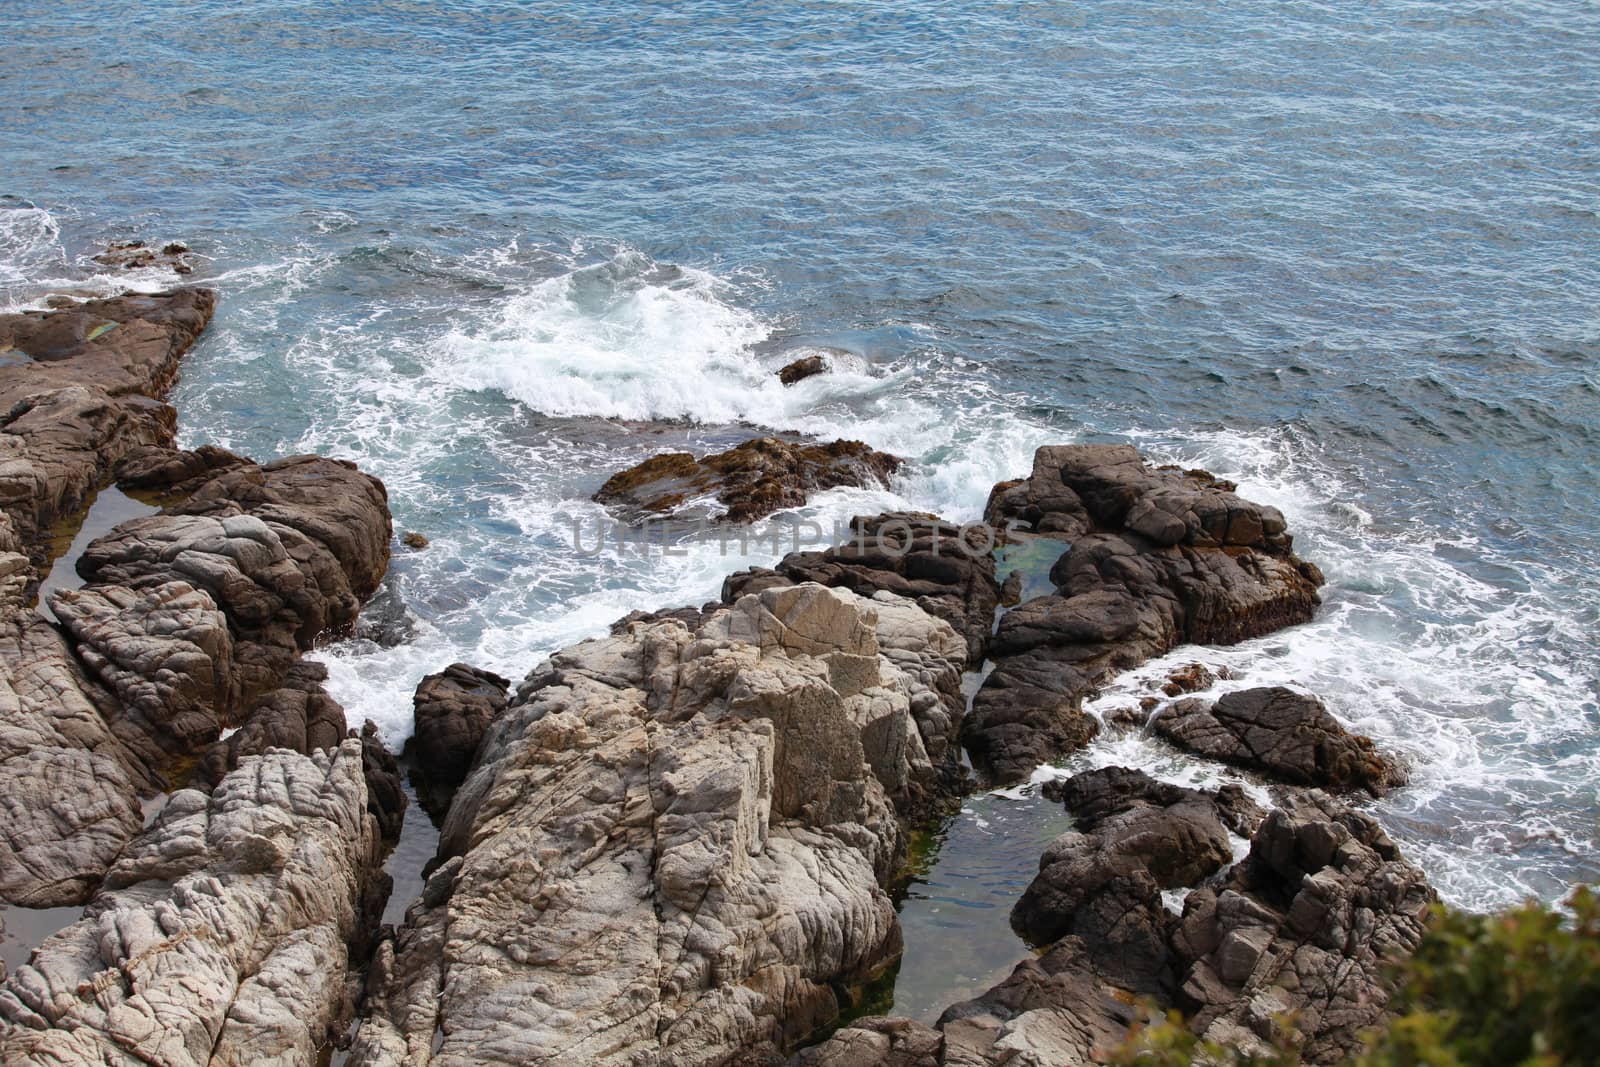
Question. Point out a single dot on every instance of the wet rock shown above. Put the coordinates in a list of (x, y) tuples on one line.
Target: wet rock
[(414, 540), (133, 255), (87, 393), (1102, 881), (803, 368), (299, 716), (1190, 679), (452, 710), (156, 468), (1158, 557), (191, 616), (386, 799), (1286, 735), (673, 845), (1306, 925), (912, 555), (749, 481), (221, 935)]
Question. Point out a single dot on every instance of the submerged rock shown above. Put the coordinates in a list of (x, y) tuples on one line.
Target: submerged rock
[(223, 933), (912, 555), (749, 481), (674, 844), (132, 255), (1287, 735), (1158, 557)]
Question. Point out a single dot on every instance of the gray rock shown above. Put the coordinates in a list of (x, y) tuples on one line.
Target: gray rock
[(673, 844), (911, 555), (221, 934)]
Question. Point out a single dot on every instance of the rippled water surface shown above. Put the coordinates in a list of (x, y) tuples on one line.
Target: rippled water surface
[(1348, 255)]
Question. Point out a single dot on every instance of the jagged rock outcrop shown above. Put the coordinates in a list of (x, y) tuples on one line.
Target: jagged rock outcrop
[(673, 845), (221, 935), (912, 555), (1304, 925), (749, 481), (192, 616), (1102, 881), (1286, 735), (451, 710), (1158, 557), (189, 621), (85, 390), (79, 388)]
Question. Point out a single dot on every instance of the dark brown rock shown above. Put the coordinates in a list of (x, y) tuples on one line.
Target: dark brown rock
[(1308, 925), (1102, 881), (1286, 735), (803, 368), (452, 710), (155, 468), (192, 615), (299, 716), (386, 799), (1190, 679), (1305, 926), (750, 481), (1158, 557), (86, 393)]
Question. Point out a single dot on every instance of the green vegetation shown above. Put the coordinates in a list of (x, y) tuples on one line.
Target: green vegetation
[(1518, 989)]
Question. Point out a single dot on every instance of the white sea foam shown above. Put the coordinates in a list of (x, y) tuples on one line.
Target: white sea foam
[(34, 264)]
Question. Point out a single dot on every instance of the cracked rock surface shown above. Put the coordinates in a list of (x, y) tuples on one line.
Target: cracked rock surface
[(220, 936), (1286, 735), (674, 843)]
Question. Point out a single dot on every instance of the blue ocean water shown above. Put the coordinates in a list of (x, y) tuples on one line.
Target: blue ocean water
[(1348, 255)]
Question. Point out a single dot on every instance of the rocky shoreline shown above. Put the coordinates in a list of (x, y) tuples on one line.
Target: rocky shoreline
[(673, 844)]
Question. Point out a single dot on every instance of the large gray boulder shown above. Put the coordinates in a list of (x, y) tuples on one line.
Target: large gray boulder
[(674, 844)]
